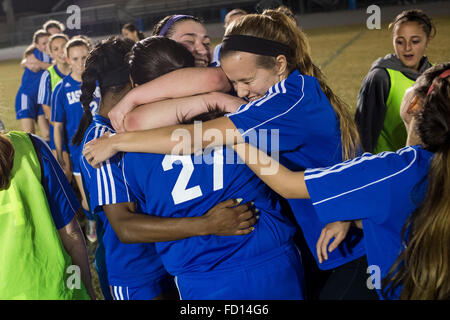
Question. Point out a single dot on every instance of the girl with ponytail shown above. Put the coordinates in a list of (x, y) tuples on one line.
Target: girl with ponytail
[(266, 57)]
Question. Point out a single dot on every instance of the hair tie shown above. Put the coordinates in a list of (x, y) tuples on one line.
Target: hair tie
[(251, 44), (443, 75), (171, 21)]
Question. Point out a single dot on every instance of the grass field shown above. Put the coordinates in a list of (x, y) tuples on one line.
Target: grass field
[(344, 53)]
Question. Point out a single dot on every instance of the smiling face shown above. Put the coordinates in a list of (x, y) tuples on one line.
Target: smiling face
[(57, 50), (76, 58), (194, 37), (249, 80), (410, 42), (42, 43)]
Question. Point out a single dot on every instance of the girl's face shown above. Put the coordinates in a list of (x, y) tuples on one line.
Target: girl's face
[(410, 42), (249, 80), (76, 58), (57, 50), (130, 35), (41, 44), (194, 37)]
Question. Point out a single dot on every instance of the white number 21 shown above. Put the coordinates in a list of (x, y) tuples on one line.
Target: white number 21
[(180, 192)]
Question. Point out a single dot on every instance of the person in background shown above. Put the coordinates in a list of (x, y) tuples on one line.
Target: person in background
[(377, 115), (49, 80), (66, 114), (131, 32), (53, 27), (28, 111), (229, 17)]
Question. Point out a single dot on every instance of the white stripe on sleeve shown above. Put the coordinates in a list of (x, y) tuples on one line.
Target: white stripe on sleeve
[(281, 114), (374, 182)]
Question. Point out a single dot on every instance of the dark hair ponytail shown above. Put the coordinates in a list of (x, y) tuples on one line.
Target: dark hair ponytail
[(107, 56), (423, 268)]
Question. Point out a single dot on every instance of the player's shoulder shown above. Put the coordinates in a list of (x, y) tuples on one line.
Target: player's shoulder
[(41, 146), (59, 86)]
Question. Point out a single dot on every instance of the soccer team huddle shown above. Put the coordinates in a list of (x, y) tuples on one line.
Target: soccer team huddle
[(280, 164)]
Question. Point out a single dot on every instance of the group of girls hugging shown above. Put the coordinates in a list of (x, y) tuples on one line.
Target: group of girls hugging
[(284, 194)]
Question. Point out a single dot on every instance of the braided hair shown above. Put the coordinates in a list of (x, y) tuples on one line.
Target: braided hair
[(110, 54)]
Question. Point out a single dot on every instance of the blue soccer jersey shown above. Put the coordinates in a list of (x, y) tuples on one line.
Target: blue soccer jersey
[(62, 200), (67, 108), (45, 87), (382, 190), (210, 267), (296, 120), (128, 265), (30, 79), (44, 97)]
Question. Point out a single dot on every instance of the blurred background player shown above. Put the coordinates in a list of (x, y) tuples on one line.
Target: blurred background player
[(229, 17), (48, 82), (66, 114), (53, 27), (377, 114), (28, 111), (131, 32)]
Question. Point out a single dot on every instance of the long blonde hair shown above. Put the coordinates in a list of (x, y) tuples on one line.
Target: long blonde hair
[(423, 268), (276, 26)]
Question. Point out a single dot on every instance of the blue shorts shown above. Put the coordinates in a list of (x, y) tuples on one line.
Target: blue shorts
[(279, 277), (27, 106), (147, 292)]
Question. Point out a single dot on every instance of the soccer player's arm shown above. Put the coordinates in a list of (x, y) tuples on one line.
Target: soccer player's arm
[(226, 218), (289, 184), (172, 111), (184, 82)]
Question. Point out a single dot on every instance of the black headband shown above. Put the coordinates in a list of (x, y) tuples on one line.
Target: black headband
[(254, 45), (116, 77)]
